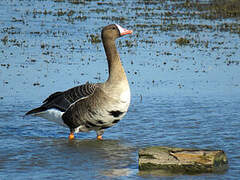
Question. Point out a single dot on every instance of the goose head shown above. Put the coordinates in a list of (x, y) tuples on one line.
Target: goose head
[(114, 31)]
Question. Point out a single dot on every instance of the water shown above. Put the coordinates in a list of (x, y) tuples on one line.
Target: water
[(183, 96)]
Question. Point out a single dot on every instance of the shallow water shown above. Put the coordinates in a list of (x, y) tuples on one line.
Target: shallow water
[(184, 96)]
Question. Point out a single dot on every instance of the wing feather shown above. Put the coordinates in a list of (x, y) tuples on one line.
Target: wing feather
[(63, 100)]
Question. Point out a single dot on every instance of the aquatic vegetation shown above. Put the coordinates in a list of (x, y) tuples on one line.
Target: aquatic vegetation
[(5, 39), (36, 84), (233, 62), (223, 9), (94, 38), (76, 1), (70, 13), (5, 65), (182, 41), (179, 49)]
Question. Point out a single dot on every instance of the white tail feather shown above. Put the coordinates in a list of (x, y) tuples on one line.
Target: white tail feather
[(53, 115)]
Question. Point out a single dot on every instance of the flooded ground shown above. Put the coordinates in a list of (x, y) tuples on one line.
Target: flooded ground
[(182, 61)]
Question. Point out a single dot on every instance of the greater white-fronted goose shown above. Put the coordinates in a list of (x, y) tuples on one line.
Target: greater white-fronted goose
[(92, 106)]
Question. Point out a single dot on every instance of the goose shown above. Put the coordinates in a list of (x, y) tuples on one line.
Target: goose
[(92, 106)]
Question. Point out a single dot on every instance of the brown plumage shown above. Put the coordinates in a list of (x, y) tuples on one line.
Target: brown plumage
[(92, 106)]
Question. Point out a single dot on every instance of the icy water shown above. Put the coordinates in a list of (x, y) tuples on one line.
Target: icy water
[(184, 93)]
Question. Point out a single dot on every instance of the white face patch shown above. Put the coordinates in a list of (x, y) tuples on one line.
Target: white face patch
[(121, 30)]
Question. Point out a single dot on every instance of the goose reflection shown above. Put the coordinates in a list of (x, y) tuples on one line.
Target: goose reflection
[(109, 157)]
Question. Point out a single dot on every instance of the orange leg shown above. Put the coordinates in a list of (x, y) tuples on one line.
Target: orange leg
[(99, 137), (71, 136)]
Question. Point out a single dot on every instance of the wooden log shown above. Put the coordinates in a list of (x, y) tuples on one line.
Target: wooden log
[(180, 160)]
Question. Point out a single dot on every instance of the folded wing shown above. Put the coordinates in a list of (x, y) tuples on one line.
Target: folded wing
[(63, 100)]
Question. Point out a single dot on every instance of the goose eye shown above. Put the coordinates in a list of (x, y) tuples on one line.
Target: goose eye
[(114, 28)]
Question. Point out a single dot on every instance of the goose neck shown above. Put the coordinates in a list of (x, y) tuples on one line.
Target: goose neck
[(115, 68)]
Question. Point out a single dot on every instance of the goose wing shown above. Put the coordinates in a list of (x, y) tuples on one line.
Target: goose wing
[(63, 100)]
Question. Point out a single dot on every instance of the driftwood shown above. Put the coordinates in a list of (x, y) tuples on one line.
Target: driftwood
[(180, 160)]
